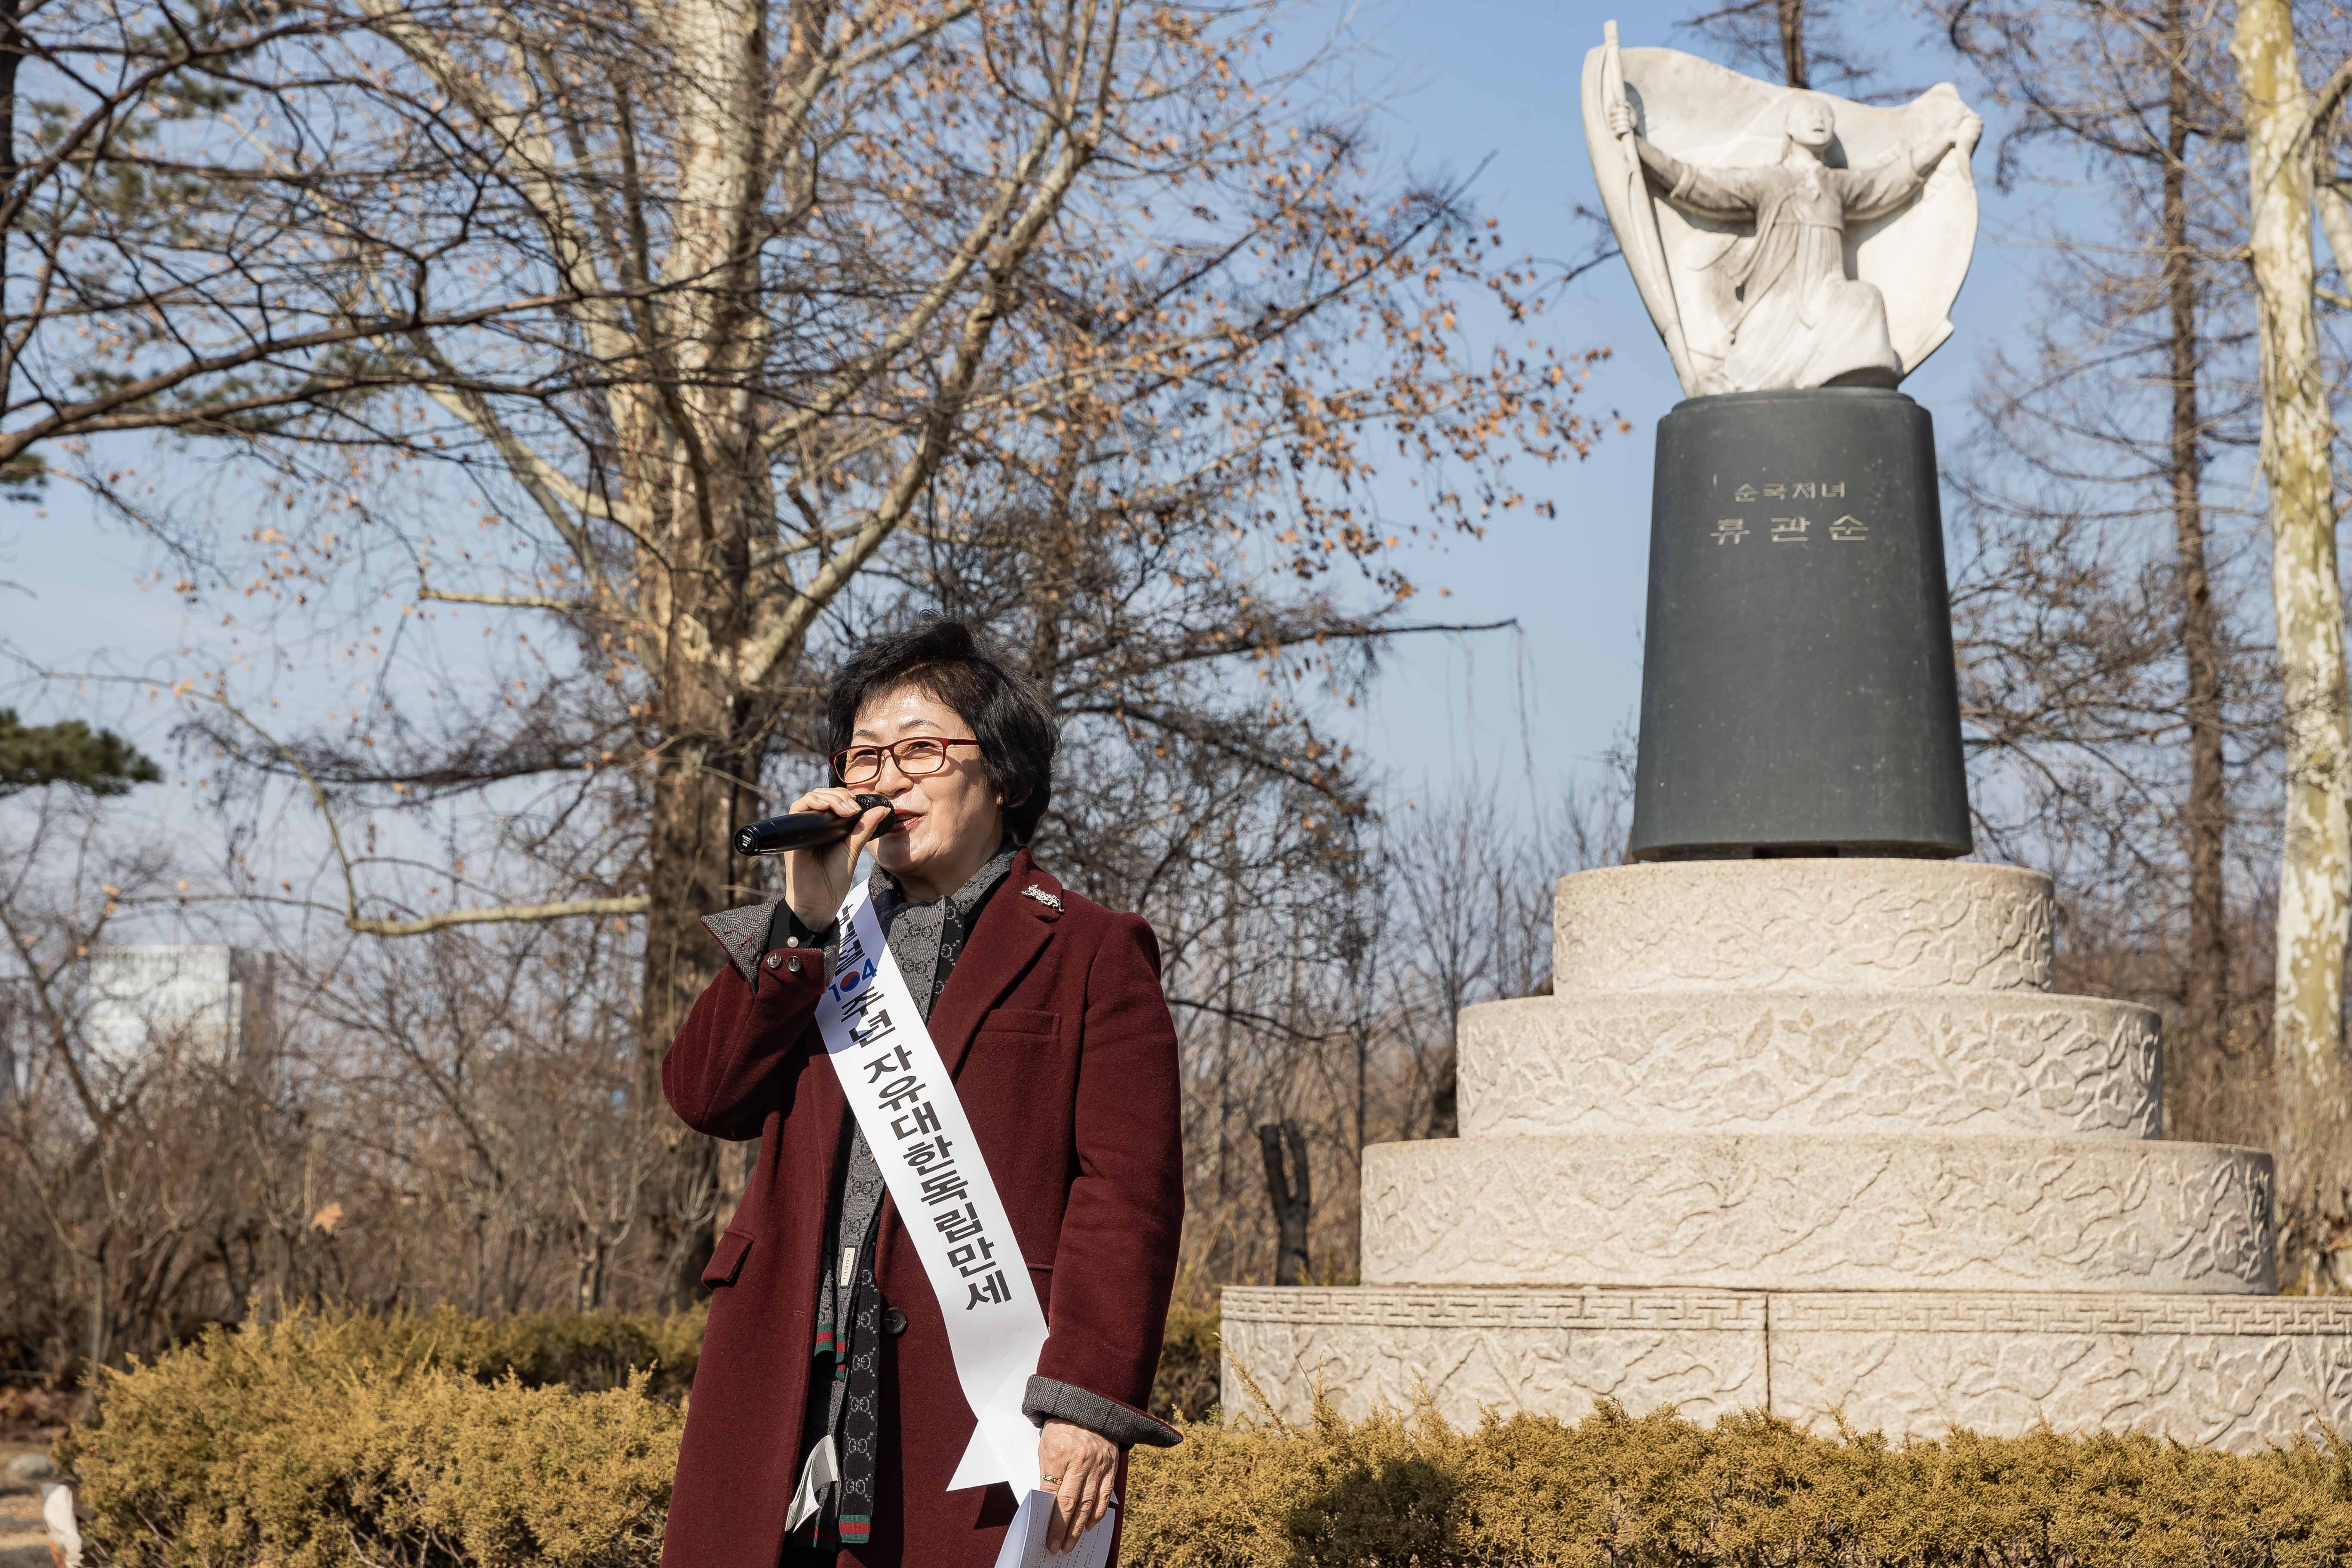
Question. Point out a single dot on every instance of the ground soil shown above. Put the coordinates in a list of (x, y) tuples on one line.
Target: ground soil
[(24, 1542)]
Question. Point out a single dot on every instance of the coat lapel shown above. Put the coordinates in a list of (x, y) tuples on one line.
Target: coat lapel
[(1012, 930), (744, 932)]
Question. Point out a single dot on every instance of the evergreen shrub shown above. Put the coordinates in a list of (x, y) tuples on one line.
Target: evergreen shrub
[(347, 1442), (434, 1441), (1185, 1385), (584, 1352), (1753, 1491)]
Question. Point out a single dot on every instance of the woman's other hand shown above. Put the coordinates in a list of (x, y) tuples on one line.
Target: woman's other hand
[(1078, 1466), (816, 881)]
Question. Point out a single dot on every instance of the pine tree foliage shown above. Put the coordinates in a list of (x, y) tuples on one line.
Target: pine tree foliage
[(68, 753)]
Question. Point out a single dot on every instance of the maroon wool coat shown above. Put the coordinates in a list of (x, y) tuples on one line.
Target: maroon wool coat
[(1055, 1030)]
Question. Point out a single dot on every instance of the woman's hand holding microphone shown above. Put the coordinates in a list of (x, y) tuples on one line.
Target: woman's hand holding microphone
[(816, 881)]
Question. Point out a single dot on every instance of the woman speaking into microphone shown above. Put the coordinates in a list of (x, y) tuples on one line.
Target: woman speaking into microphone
[(948, 1280)]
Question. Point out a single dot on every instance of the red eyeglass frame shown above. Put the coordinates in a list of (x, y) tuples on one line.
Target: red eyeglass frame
[(891, 751)]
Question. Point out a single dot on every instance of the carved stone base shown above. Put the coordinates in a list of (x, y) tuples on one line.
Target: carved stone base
[(1818, 1211), (2018, 1063), (1812, 1135), (2236, 1372), (1549, 1352), (1803, 925)]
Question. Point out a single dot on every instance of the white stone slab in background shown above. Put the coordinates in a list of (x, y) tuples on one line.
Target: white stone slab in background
[(1789, 1211), (2237, 1373), (1859, 1159), (1551, 1351), (2018, 1063), (1803, 925)]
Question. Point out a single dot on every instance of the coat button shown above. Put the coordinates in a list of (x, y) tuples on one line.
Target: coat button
[(895, 1320), (793, 965), (776, 961)]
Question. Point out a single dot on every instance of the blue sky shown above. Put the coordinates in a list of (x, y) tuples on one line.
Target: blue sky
[(1499, 82), (1460, 85)]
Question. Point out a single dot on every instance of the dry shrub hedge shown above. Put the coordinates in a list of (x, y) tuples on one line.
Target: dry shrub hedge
[(1751, 1492), (422, 1441), (1185, 1385), (350, 1442), (580, 1351)]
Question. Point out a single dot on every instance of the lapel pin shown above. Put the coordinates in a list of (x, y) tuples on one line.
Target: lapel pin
[(1042, 896)]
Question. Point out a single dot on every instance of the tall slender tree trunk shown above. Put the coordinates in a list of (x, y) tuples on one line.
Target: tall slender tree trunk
[(1290, 1192), (2315, 899), (99, 1346), (693, 449), (12, 59), (694, 809), (2206, 1102), (716, 738), (1446, 1094), (1793, 41)]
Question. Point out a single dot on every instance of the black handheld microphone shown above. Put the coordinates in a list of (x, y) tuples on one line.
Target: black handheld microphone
[(801, 830)]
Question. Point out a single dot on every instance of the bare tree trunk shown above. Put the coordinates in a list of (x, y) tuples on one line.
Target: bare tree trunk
[(1362, 1043), (2201, 1059), (1793, 41), (99, 1347), (685, 881), (1291, 1196), (12, 57), (2315, 903), (1445, 1095)]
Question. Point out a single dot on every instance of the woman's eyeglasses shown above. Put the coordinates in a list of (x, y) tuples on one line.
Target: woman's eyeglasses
[(918, 756)]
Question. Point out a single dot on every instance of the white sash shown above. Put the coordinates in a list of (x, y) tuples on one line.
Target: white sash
[(900, 1092)]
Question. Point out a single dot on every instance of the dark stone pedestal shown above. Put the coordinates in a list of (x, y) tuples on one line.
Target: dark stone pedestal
[(1798, 694)]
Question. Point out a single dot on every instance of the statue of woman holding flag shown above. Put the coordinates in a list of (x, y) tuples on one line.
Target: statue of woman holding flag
[(1800, 321), (952, 1265), (1778, 238)]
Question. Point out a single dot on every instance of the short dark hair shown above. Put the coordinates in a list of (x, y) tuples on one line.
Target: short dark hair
[(944, 659)]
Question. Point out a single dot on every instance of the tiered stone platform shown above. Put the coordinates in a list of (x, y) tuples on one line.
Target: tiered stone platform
[(1812, 1135)]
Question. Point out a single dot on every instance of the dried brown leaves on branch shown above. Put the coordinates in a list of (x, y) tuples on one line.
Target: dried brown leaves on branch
[(738, 329)]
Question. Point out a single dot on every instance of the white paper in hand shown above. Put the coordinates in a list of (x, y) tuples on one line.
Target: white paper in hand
[(1024, 1540), (65, 1531)]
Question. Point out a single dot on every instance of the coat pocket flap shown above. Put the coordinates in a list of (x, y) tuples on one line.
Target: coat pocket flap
[(726, 1260)]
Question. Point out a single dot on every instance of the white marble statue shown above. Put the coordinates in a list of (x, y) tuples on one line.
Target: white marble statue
[(1781, 238)]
